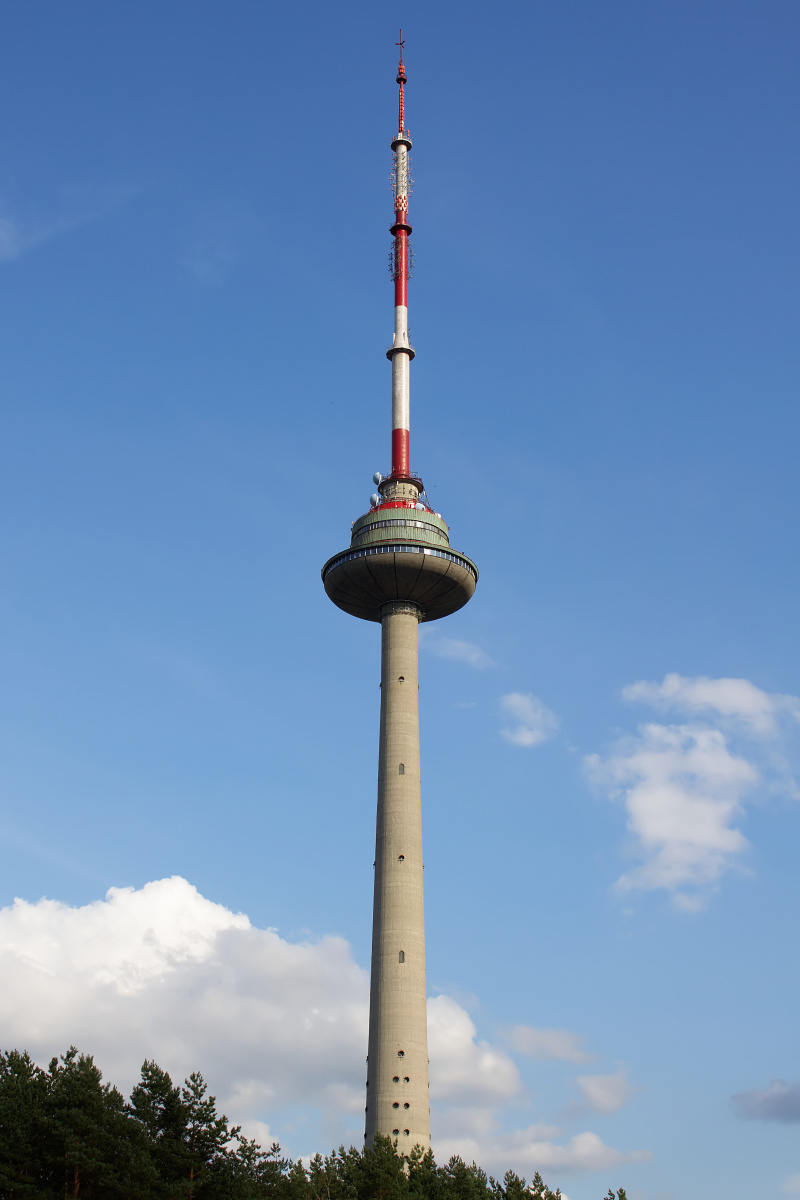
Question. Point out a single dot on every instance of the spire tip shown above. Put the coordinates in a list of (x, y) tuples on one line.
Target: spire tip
[(401, 71)]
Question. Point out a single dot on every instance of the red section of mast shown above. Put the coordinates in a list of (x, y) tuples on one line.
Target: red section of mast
[(400, 454)]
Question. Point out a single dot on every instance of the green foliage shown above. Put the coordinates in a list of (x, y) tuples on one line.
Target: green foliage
[(66, 1134), (22, 1101), (63, 1132)]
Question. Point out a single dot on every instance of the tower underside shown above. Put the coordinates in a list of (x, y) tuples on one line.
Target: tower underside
[(438, 581)]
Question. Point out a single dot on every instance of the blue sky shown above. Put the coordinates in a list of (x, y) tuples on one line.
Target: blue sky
[(195, 304)]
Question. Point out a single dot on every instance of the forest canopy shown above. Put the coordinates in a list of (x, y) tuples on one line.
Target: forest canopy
[(65, 1133)]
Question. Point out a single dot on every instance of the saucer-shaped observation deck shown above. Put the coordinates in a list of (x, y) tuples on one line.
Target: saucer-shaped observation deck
[(400, 551)]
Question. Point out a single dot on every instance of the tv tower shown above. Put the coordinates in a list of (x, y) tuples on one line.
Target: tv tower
[(399, 570)]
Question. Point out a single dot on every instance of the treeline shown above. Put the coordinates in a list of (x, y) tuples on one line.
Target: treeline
[(66, 1134)]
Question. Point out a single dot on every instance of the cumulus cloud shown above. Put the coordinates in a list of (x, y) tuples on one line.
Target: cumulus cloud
[(605, 1093), (683, 789), (532, 721), (461, 1068), (162, 972), (457, 651), (738, 699), (278, 1028), (685, 785), (547, 1044), (534, 1149), (779, 1102)]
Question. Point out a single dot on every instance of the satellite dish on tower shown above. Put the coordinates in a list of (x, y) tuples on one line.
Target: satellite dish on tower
[(374, 500), (377, 478)]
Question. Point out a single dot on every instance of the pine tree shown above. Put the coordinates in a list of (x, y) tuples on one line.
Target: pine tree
[(23, 1090), (87, 1144), (464, 1182)]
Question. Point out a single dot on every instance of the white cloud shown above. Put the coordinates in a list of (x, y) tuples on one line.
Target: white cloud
[(161, 972), (791, 1185), (124, 941), (534, 723), (605, 1093), (738, 699), (684, 786), (462, 1069), (682, 789), (547, 1044), (278, 1028), (457, 651), (533, 1149), (164, 973)]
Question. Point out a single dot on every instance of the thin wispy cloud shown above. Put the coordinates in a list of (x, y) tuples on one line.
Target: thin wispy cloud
[(225, 233), (17, 238), (685, 786), (210, 261), (21, 234), (605, 1093), (457, 651), (11, 239), (547, 1044), (531, 721), (780, 1102)]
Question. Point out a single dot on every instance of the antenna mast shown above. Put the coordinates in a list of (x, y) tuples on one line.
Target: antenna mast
[(401, 351)]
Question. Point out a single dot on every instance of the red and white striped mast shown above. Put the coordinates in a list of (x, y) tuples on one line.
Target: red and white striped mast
[(401, 352)]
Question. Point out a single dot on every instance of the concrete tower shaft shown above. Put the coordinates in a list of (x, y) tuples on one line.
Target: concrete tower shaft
[(399, 569), (397, 1066)]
